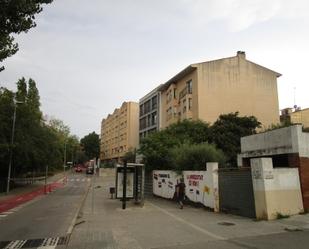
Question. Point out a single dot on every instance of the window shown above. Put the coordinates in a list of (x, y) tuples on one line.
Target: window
[(148, 120), (154, 118), (190, 103), (169, 96), (154, 102), (175, 92), (189, 86), (184, 103), (141, 110)]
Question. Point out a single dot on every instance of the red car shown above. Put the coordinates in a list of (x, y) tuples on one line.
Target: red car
[(78, 169)]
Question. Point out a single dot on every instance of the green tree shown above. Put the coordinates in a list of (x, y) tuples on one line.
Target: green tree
[(16, 16), (227, 131), (91, 145), (157, 146), (37, 143), (130, 156), (195, 156)]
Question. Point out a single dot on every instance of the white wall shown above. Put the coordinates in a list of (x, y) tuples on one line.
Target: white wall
[(201, 186), (276, 190)]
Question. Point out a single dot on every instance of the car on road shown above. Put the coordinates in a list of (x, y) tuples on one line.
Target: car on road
[(78, 169)]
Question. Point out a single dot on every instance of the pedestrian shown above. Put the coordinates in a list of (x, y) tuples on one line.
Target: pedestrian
[(180, 192)]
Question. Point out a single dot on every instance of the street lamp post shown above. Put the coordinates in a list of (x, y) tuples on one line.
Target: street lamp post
[(64, 160), (11, 147)]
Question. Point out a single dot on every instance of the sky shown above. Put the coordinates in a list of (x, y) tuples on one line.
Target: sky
[(88, 57)]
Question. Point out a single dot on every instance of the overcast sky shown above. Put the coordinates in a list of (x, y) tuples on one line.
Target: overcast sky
[(87, 57)]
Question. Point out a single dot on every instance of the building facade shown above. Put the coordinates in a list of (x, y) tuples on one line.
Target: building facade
[(119, 132), (149, 113), (206, 90), (295, 116)]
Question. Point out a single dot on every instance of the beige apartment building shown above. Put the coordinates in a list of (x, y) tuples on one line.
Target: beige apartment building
[(295, 116), (119, 132), (206, 90)]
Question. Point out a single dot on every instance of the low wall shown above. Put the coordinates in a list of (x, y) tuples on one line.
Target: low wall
[(276, 190), (201, 186)]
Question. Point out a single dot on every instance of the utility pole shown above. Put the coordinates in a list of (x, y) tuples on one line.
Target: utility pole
[(11, 147)]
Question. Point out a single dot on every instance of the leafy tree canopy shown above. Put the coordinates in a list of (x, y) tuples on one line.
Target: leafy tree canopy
[(37, 143), (16, 16), (195, 156), (170, 148), (91, 145), (227, 131)]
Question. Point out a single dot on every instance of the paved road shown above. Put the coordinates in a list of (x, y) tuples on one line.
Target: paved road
[(46, 219)]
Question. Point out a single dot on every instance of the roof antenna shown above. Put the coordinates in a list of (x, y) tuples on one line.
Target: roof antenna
[(295, 106)]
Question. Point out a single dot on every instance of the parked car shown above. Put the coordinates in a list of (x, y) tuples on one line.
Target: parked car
[(78, 169), (90, 170)]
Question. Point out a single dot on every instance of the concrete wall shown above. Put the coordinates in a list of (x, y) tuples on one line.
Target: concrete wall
[(236, 84), (280, 141), (276, 191), (201, 186)]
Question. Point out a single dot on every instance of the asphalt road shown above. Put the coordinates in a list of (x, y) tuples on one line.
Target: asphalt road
[(46, 217)]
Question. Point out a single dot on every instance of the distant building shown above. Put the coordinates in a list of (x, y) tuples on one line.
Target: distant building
[(206, 90), (119, 132), (149, 113), (295, 116)]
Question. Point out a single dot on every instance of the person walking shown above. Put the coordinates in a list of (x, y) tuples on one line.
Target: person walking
[(180, 192)]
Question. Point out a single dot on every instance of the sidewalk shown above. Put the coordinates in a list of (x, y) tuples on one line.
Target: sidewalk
[(26, 193), (161, 224)]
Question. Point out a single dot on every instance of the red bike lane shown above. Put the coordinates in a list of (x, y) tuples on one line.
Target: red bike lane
[(6, 205)]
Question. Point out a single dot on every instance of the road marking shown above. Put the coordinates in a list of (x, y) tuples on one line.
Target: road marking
[(202, 230), (15, 244), (77, 180), (19, 199)]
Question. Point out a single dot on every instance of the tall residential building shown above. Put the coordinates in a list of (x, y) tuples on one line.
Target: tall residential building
[(119, 132), (298, 116), (206, 90), (149, 113)]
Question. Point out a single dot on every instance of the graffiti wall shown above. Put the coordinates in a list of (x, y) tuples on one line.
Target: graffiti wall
[(201, 186)]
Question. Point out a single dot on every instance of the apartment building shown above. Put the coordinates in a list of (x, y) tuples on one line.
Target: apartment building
[(295, 116), (119, 132), (149, 113), (206, 90)]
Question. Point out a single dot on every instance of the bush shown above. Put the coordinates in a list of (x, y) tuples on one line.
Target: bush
[(195, 156)]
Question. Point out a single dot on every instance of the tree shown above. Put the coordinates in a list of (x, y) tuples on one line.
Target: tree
[(156, 148), (37, 143), (130, 156), (195, 156), (91, 145), (227, 131), (16, 16)]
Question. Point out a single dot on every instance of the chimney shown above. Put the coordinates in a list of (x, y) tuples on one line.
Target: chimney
[(241, 54)]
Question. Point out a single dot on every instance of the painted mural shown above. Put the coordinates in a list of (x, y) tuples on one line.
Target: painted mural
[(201, 186)]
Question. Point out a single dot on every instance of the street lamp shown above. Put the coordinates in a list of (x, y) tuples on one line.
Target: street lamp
[(64, 160), (11, 147)]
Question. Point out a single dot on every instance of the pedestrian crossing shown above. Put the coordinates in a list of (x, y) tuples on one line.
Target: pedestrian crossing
[(79, 180), (46, 243)]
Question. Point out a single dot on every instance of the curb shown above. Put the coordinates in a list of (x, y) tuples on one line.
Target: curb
[(83, 199)]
